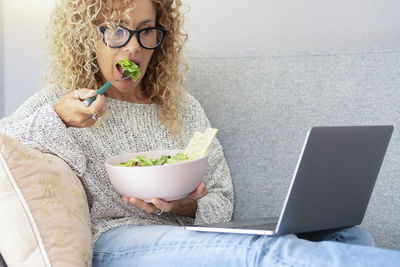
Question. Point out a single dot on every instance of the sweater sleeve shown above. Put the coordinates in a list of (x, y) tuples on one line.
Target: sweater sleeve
[(217, 205), (37, 125)]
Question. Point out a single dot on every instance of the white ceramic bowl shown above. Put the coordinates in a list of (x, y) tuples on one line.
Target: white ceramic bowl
[(168, 182)]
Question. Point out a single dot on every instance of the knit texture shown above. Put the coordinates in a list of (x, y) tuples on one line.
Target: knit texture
[(125, 128)]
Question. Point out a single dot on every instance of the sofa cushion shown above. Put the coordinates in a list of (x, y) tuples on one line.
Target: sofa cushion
[(43, 207)]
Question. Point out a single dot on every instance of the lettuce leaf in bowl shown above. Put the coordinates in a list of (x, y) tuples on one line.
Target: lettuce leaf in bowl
[(143, 161)]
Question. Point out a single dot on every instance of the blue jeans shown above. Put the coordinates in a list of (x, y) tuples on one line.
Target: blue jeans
[(174, 246)]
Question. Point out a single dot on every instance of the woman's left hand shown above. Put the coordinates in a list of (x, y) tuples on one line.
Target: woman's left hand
[(185, 207)]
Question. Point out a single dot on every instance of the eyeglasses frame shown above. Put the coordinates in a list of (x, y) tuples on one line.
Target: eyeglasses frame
[(102, 30)]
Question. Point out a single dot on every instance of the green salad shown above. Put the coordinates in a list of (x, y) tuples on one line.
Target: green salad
[(130, 69), (143, 161)]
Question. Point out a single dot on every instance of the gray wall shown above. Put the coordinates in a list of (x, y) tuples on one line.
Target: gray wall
[(223, 28), (24, 63), (234, 28)]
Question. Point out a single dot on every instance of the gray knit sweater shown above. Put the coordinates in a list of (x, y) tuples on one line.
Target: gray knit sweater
[(125, 128)]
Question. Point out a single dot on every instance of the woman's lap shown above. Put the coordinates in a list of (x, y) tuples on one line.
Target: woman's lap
[(174, 246), (351, 235)]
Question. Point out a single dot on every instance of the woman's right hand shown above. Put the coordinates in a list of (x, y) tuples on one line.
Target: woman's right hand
[(74, 114)]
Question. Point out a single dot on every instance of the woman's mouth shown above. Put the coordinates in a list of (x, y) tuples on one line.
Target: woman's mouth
[(120, 70)]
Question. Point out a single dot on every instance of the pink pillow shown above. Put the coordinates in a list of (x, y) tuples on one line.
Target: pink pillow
[(43, 209)]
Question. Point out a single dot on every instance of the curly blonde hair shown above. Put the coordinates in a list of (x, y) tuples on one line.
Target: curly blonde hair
[(73, 34)]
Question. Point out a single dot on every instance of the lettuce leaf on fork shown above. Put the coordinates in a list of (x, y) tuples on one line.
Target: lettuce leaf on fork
[(130, 69)]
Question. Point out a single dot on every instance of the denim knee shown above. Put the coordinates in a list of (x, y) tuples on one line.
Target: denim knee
[(355, 235)]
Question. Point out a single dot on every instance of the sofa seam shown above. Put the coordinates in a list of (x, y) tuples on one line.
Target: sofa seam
[(296, 55)]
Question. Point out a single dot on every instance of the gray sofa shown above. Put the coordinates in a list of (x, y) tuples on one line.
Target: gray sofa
[(263, 107)]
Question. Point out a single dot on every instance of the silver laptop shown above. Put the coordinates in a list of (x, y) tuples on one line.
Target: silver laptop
[(331, 186)]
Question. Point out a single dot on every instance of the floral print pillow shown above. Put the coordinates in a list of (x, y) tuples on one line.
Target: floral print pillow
[(44, 212)]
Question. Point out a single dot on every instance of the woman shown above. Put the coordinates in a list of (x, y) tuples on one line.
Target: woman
[(88, 38)]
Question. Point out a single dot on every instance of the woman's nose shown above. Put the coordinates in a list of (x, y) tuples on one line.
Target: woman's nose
[(133, 45)]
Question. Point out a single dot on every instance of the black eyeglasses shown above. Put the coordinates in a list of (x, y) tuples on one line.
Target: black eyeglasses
[(148, 38)]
